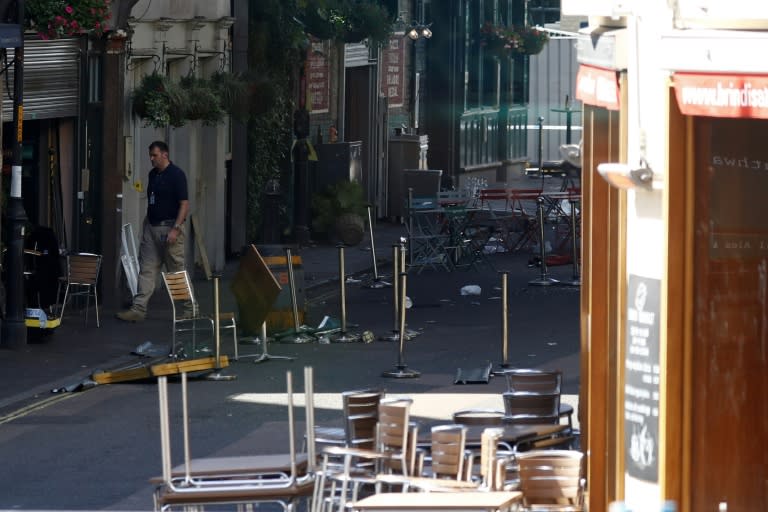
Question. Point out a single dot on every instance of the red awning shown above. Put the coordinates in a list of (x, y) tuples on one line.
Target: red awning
[(715, 95), (597, 86)]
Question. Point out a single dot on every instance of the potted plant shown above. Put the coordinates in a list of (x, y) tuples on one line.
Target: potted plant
[(339, 212)]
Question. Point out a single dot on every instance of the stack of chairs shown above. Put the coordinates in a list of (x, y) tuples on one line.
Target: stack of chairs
[(394, 451), (427, 238), (533, 396)]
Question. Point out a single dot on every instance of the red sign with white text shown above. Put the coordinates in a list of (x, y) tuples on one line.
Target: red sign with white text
[(597, 86), (393, 71), (318, 77), (714, 95)]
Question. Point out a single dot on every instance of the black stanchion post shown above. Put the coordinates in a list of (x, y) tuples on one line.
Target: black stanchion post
[(217, 375), (343, 336), (576, 281), (541, 151), (297, 336), (504, 325), (544, 279), (401, 370)]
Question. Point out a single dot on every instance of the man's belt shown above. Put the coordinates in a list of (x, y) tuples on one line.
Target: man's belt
[(167, 222)]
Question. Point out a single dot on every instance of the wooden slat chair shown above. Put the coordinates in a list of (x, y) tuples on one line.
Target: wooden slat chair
[(551, 480), (186, 312), (83, 273), (394, 452), (524, 407), (360, 410), (284, 479), (539, 381), (448, 465)]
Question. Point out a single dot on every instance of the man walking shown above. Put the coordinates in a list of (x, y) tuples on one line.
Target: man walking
[(162, 238)]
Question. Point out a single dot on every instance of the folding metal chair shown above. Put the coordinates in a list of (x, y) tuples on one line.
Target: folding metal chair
[(83, 272), (186, 311), (427, 239)]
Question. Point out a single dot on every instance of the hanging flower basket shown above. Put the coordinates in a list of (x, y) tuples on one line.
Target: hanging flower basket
[(53, 19), (232, 91), (504, 42), (201, 101), (159, 102)]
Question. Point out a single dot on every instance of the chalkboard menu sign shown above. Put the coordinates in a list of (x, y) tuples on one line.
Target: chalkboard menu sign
[(641, 382)]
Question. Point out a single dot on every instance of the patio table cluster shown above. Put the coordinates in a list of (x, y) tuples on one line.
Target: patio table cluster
[(380, 458), (452, 230)]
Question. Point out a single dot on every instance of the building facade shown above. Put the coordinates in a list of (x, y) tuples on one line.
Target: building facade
[(673, 319)]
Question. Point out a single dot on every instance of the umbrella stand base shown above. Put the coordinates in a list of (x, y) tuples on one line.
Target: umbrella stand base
[(503, 367), (543, 281), (217, 375), (401, 371), (345, 337)]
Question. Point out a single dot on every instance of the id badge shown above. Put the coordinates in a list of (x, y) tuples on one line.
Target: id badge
[(152, 198)]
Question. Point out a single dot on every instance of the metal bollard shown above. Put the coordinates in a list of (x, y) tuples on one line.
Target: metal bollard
[(343, 336), (401, 370), (395, 336), (297, 336), (576, 281), (504, 325), (377, 281), (217, 375), (544, 279)]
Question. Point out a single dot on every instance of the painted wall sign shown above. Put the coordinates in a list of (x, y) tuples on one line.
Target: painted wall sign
[(318, 77), (641, 383), (737, 159), (597, 86), (716, 95), (393, 71)]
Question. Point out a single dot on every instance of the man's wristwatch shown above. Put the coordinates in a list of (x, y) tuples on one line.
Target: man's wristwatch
[(177, 227)]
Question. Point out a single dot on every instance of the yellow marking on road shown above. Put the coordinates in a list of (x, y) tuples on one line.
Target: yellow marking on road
[(42, 404)]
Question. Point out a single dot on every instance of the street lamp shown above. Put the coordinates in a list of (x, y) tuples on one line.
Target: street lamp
[(14, 328), (419, 30)]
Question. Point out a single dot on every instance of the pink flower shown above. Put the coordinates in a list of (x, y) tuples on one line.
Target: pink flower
[(69, 9), (97, 25), (43, 36), (73, 24)]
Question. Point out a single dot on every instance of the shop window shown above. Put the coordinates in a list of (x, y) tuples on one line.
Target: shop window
[(94, 79)]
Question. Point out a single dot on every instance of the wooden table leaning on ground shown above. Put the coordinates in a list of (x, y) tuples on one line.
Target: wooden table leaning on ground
[(469, 501)]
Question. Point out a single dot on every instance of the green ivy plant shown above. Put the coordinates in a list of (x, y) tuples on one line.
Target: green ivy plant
[(348, 21), (328, 205)]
